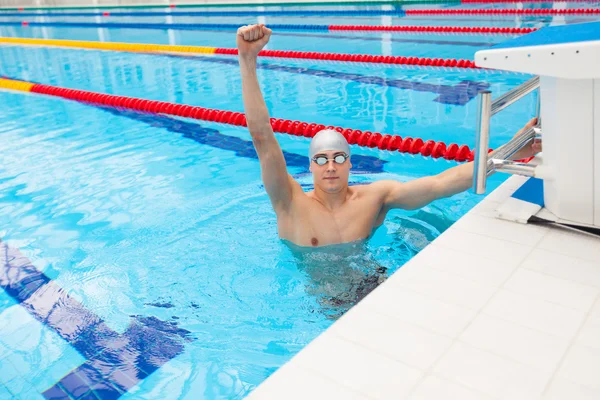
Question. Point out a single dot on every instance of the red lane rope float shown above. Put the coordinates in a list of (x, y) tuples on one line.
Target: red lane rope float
[(158, 48), (436, 29), (526, 1), (507, 11), (364, 58), (369, 139)]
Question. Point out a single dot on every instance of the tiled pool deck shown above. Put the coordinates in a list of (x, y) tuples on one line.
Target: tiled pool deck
[(490, 310)]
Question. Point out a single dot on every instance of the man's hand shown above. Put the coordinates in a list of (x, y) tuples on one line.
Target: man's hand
[(251, 39), (531, 148)]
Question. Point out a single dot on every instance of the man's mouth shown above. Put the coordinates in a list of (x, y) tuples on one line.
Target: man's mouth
[(331, 178)]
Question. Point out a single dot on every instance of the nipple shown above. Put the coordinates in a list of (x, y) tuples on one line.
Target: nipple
[(314, 241)]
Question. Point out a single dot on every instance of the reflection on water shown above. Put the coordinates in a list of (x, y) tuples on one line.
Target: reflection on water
[(339, 276)]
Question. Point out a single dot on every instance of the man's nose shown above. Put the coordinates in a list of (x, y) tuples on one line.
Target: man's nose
[(330, 165)]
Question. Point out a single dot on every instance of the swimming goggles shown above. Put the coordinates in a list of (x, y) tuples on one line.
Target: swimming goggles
[(338, 159)]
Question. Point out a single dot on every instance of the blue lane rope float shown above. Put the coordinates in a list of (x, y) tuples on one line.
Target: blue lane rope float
[(208, 13), (281, 27)]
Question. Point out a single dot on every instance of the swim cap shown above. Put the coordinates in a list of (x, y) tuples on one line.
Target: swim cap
[(328, 139)]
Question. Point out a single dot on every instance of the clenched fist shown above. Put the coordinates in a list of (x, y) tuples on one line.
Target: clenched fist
[(251, 39)]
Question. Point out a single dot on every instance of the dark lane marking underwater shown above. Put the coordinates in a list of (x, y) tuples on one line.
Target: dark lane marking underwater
[(459, 94), (214, 138), (392, 39), (114, 362), (242, 148), (226, 28), (117, 362)]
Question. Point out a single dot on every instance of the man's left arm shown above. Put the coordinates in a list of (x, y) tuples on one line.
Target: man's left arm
[(420, 192)]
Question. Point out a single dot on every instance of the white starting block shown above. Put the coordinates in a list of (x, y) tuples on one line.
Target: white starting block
[(567, 59)]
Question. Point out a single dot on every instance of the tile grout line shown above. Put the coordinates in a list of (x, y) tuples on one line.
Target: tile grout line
[(329, 379), (410, 289), (437, 268), (570, 346), (429, 370), (378, 352), (496, 237), (457, 340), (470, 253), (561, 278), (559, 229)]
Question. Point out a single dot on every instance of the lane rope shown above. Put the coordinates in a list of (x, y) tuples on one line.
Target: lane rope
[(508, 11), (283, 27), (158, 48), (396, 12), (429, 148), (241, 5)]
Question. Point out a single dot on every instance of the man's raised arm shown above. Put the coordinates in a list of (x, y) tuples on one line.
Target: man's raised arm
[(278, 183)]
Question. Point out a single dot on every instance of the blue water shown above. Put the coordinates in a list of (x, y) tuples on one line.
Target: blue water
[(138, 216)]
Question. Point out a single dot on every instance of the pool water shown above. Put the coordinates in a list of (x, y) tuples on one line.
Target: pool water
[(156, 231)]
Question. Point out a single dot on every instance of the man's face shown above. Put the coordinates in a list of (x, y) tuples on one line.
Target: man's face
[(331, 177)]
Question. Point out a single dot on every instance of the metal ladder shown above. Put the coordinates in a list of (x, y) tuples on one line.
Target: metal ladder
[(485, 166)]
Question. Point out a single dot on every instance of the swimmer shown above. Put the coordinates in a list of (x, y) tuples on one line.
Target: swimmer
[(333, 212)]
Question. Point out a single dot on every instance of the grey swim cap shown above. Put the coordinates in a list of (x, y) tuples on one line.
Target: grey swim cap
[(328, 139)]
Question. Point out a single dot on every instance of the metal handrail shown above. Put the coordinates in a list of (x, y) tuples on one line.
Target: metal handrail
[(500, 161), (513, 167), (482, 141), (515, 94), (516, 144)]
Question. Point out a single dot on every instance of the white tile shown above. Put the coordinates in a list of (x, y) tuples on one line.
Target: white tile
[(590, 333), (562, 389), (517, 210), (493, 375), (414, 308), (516, 342), (582, 366), (515, 181), (296, 383), (561, 266), (550, 288), (472, 243), (572, 244), (485, 208), (536, 314), (441, 285), (357, 368), (500, 194), (480, 269), (390, 337), (528, 235), (595, 313), (484, 205), (434, 388)]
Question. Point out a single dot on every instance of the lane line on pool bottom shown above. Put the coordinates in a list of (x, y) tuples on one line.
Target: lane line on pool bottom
[(160, 48), (429, 148), (284, 27), (458, 94), (395, 12), (346, 3), (361, 164), (114, 362)]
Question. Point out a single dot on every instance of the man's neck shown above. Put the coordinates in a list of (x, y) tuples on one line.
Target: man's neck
[(331, 201)]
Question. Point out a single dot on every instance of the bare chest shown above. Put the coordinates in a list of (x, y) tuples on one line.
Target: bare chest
[(311, 224)]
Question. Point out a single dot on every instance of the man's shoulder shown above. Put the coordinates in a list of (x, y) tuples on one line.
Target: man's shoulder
[(375, 187)]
